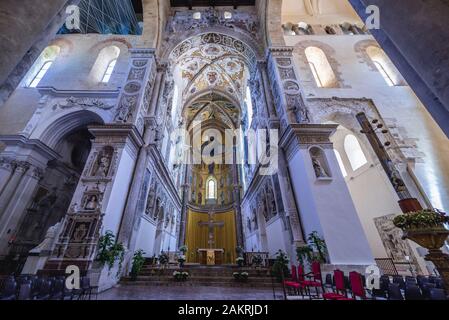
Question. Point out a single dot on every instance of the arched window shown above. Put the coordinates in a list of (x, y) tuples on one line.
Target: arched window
[(320, 68), (197, 15), (354, 152), (109, 70), (41, 66), (340, 163), (104, 65), (228, 15), (211, 188), (249, 105), (41, 74), (384, 66)]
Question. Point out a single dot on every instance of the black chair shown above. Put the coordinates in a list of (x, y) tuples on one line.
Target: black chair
[(25, 291), (86, 287), (412, 292), (439, 283), (57, 290), (432, 279), (422, 280), (44, 290), (394, 292), (9, 291), (437, 294), (400, 281), (426, 289), (410, 280)]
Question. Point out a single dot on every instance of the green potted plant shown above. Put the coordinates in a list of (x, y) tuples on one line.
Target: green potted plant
[(181, 260), (138, 262), (427, 228), (163, 259), (241, 276), (240, 261), (180, 276), (280, 267), (109, 251), (304, 254), (257, 260), (319, 247)]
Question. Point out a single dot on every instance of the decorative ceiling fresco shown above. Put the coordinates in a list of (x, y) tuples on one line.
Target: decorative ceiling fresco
[(214, 63), (213, 108)]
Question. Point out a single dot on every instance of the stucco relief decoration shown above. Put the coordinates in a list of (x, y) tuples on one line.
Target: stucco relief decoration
[(244, 21), (126, 108), (84, 103)]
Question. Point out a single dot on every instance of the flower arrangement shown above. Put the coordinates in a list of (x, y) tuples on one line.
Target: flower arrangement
[(424, 219), (163, 258), (240, 261), (181, 275), (257, 260), (181, 260), (183, 249), (241, 276)]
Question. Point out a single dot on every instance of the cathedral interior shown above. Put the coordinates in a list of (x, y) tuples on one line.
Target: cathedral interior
[(209, 135)]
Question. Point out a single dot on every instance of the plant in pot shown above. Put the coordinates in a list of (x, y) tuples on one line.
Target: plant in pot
[(163, 259), (138, 262), (181, 260), (241, 276), (280, 268), (304, 254), (427, 228), (180, 276), (240, 261), (257, 261), (110, 251), (319, 247)]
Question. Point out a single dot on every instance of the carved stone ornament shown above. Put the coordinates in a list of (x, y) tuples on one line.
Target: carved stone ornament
[(84, 103)]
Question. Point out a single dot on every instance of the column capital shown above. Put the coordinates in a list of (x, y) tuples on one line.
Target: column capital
[(302, 136)]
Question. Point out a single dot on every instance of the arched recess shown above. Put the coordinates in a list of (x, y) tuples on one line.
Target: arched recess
[(329, 53), (59, 127)]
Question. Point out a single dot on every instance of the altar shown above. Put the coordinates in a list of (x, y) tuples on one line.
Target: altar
[(211, 257)]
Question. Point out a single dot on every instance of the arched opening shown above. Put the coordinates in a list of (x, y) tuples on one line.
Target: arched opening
[(41, 66), (104, 65), (386, 68), (212, 188), (354, 152), (320, 67)]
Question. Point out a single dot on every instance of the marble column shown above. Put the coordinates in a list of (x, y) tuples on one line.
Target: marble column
[(185, 199), (20, 167), (237, 201), (6, 170)]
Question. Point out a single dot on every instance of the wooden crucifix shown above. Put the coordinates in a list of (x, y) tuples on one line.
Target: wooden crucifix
[(211, 224)]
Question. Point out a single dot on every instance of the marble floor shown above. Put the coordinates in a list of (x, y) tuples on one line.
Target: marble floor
[(187, 293)]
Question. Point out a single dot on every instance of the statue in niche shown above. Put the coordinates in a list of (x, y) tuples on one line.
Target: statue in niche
[(200, 198), (193, 196), (200, 182), (254, 220), (92, 203), (319, 170), (80, 232), (248, 224), (150, 200), (221, 182), (103, 163)]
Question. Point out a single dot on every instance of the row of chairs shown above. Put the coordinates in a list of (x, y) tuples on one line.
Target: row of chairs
[(31, 287), (410, 288), (351, 287)]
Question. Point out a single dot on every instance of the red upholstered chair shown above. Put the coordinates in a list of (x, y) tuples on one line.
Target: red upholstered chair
[(294, 283), (340, 288), (314, 276), (357, 286)]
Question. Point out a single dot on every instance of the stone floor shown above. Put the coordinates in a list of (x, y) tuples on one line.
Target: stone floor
[(187, 293)]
